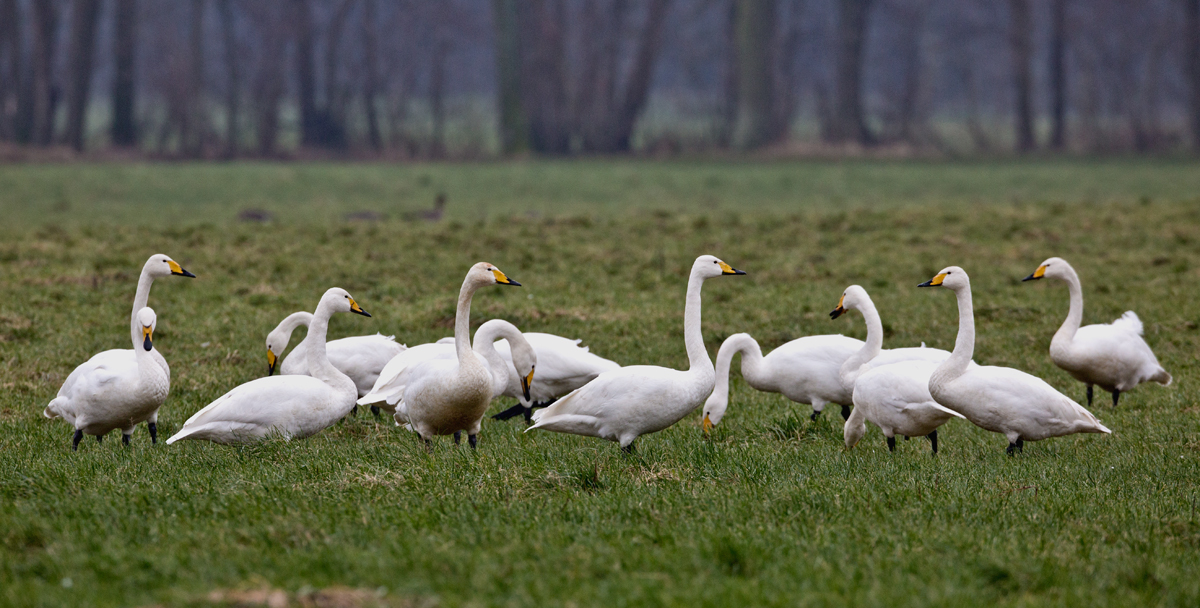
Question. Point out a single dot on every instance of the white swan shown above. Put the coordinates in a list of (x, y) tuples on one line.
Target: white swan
[(441, 396), (292, 407), (360, 357), (508, 380), (1114, 356), (158, 265), (871, 354), (625, 403), (896, 398), (115, 392), (804, 370), (1003, 400), (563, 366)]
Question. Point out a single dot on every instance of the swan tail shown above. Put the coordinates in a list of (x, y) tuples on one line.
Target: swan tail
[(946, 410), (577, 424), (1129, 321), (52, 410), (1162, 377)]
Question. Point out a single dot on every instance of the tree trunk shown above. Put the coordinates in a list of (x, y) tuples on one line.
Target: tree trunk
[(84, 14), (1020, 39), (637, 86), (789, 47), (544, 75), (304, 70), (124, 131), (1058, 75), (45, 27), (1192, 63), (233, 73), (333, 116), (755, 23), (194, 124), (371, 82), (851, 121), (514, 127), (729, 78), (437, 95), (10, 67)]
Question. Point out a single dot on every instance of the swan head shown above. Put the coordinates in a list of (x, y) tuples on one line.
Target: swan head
[(487, 274), (854, 298), (714, 411), (853, 431), (951, 277), (160, 265), (525, 360), (707, 266), (1053, 268), (277, 342), (147, 321), (339, 300)]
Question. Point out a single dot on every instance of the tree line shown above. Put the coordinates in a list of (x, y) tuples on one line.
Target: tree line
[(432, 78)]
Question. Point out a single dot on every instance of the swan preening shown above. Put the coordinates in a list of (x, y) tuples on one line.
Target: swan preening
[(98, 388), (625, 403), (440, 396), (292, 407), (1114, 356), (563, 366), (1013, 403), (359, 357)]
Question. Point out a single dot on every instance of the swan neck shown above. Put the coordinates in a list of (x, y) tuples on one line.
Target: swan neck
[(485, 346), (870, 348), (1071, 324), (692, 336), (319, 366), (751, 362), (140, 298), (290, 323), (462, 322), (964, 345)]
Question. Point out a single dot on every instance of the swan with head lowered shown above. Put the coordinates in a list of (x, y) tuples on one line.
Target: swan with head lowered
[(890, 388), (444, 396), (359, 357), (292, 407), (1114, 356), (1003, 400), (509, 379), (625, 403), (75, 390), (110, 393)]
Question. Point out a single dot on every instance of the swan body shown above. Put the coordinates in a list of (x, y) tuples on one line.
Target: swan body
[(1003, 400), (804, 370), (81, 384), (444, 396), (1113, 356), (113, 390), (359, 357), (292, 407), (896, 399), (625, 403)]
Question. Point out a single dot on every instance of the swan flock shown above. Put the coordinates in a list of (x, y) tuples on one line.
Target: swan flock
[(446, 387)]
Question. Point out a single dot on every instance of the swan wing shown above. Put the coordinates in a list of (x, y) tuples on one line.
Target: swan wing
[(1005, 398), (289, 405), (622, 404), (92, 378), (1129, 322), (562, 365), (362, 358), (394, 377)]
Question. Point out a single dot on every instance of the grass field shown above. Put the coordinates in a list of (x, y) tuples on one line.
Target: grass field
[(769, 510)]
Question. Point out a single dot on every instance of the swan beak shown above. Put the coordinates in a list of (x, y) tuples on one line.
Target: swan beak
[(727, 269), (176, 269), (147, 335), (837, 312), (934, 282), (1037, 274), (356, 309), (707, 425), (271, 359), (526, 382), (503, 279)]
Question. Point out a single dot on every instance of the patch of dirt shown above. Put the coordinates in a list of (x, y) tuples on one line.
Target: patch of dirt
[(330, 597)]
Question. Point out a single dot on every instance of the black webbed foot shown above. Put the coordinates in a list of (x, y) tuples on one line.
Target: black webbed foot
[(932, 437), (375, 411), (153, 432), (75, 440), (513, 412), (814, 415), (99, 438), (891, 444), (457, 437), (125, 439), (629, 449), (473, 441)]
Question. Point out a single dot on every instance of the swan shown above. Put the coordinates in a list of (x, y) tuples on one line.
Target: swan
[(872, 354), (563, 366), (442, 396), (804, 370), (896, 398), (625, 403), (508, 380), (359, 357), (114, 392), (158, 265), (1114, 356), (1003, 400), (293, 407)]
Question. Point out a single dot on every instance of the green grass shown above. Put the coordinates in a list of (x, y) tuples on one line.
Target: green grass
[(771, 510)]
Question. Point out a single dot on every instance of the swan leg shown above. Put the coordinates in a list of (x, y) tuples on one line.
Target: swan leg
[(1116, 395), (906, 437), (1089, 395), (428, 444), (891, 444), (845, 413), (629, 449), (99, 438), (513, 412), (354, 410), (1021, 446), (375, 411), (457, 437), (1011, 449), (473, 441), (933, 440), (153, 432), (75, 440), (124, 439), (528, 416), (814, 415)]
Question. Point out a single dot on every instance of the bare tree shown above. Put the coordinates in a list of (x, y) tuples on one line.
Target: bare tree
[(755, 27), (851, 123), (194, 126), (10, 67), (124, 132), (544, 75), (84, 14), (1058, 74), (370, 16), (233, 74), (1192, 63), (514, 127), (1021, 40), (45, 27)]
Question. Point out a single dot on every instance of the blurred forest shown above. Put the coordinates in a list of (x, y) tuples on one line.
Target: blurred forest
[(482, 78)]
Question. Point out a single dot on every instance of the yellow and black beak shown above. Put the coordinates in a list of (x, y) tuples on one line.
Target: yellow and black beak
[(727, 269), (706, 424), (526, 382), (1037, 274), (356, 309), (935, 281), (176, 269), (271, 360), (503, 279), (837, 312), (148, 338)]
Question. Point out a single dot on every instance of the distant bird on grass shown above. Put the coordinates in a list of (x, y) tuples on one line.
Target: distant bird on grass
[(430, 215)]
